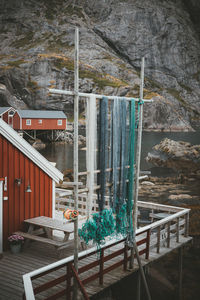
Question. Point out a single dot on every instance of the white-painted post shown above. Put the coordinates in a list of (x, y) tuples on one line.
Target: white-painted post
[(1, 217), (138, 157), (138, 149), (76, 114)]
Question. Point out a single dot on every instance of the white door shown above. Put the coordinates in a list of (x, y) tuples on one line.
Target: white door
[(1, 216)]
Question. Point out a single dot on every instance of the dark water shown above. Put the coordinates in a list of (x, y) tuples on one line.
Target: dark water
[(62, 154)]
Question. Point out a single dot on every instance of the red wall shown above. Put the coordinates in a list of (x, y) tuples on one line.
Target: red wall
[(20, 204), (16, 121), (5, 117), (47, 124)]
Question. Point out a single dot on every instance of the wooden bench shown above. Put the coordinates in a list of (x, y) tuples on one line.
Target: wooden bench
[(37, 238)]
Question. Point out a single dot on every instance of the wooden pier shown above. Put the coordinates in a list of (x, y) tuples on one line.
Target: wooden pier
[(46, 277)]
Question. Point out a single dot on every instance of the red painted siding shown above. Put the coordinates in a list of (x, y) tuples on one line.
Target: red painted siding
[(16, 121), (20, 204), (47, 124), (5, 117)]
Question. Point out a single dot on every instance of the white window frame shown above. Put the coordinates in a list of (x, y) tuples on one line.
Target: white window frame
[(40, 121), (28, 122), (59, 122)]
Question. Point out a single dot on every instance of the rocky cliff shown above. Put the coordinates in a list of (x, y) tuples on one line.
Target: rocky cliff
[(37, 49)]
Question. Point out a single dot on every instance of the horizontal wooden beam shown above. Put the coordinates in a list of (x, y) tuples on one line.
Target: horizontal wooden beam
[(97, 96)]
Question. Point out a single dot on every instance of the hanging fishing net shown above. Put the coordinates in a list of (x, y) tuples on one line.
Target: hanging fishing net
[(116, 135)]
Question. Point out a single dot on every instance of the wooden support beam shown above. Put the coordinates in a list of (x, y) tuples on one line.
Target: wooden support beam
[(180, 272), (71, 183), (81, 286), (186, 225), (158, 239), (138, 285), (141, 271), (177, 230), (75, 162), (168, 234), (101, 266)]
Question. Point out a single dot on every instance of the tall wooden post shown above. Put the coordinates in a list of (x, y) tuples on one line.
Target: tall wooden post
[(76, 114), (138, 156), (138, 150)]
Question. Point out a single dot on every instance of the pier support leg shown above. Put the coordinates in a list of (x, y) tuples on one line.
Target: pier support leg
[(131, 265), (142, 272), (180, 272), (138, 285)]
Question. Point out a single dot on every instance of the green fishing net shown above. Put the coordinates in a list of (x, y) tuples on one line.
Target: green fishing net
[(115, 222), (98, 227), (121, 220), (103, 225)]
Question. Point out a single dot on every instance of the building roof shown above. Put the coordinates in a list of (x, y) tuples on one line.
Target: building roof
[(12, 136), (42, 114), (4, 109)]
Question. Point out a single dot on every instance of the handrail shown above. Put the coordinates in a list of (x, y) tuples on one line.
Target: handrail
[(164, 220), (29, 292)]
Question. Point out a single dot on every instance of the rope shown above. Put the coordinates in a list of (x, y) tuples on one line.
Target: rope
[(116, 151), (103, 151), (130, 233), (91, 149), (140, 102), (121, 217), (110, 164)]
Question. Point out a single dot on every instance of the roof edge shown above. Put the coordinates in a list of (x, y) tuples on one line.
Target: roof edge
[(29, 151)]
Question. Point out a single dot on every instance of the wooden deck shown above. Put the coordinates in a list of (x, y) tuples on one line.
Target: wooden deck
[(12, 267), (95, 272)]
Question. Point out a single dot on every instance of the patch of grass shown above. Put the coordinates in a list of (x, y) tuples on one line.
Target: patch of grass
[(85, 71), (101, 80), (149, 95), (57, 44), (61, 63), (176, 94), (187, 88), (153, 84), (74, 10), (196, 76), (32, 86), (2, 56), (16, 63), (4, 68), (23, 41)]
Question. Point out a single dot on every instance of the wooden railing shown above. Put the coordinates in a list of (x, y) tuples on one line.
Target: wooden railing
[(115, 253)]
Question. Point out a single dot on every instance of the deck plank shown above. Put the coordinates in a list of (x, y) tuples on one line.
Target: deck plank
[(12, 267)]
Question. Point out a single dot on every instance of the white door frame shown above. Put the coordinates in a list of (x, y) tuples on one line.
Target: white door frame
[(1, 216)]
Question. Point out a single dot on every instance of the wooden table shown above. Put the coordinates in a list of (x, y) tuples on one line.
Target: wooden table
[(46, 226)]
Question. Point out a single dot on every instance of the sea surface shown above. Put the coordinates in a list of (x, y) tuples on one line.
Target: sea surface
[(62, 154)]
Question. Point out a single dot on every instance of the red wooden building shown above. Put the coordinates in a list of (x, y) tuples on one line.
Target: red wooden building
[(23, 168), (7, 113), (39, 120)]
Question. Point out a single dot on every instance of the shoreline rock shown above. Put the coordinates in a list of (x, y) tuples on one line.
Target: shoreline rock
[(180, 156)]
